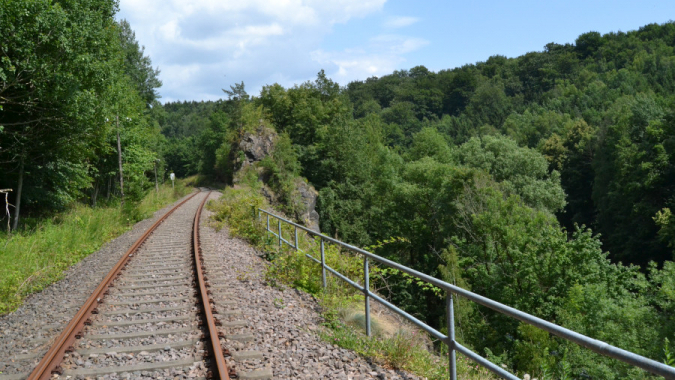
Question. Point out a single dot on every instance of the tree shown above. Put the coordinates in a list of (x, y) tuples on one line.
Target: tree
[(57, 59), (521, 171), (138, 66)]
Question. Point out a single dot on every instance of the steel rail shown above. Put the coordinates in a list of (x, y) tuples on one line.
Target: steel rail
[(595, 345), (54, 356), (221, 366)]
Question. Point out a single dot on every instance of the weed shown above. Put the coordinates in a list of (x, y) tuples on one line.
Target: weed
[(279, 303), (668, 356)]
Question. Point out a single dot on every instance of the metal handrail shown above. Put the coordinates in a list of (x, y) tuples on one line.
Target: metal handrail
[(595, 345)]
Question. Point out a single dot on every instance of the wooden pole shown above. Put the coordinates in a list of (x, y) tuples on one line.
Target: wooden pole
[(156, 183), (119, 159)]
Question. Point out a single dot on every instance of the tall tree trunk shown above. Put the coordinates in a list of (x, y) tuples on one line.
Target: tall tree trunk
[(18, 193), (107, 196), (119, 160), (94, 194), (156, 183)]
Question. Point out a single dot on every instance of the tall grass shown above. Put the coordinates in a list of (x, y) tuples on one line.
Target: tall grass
[(31, 260), (342, 305)]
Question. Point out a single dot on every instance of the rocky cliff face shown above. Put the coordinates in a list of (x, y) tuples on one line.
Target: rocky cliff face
[(305, 199), (254, 147)]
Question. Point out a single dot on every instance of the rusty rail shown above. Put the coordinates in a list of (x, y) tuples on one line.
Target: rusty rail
[(221, 366), (53, 358)]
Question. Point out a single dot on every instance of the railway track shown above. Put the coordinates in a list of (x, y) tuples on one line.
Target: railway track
[(155, 315)]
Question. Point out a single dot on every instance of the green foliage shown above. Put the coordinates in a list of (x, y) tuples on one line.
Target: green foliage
[(531, 350), (62, 86), (599, 109), (209, 141), (403, 350), (137, 66), (430, 143), (282, 170), (33, 259), (521, 171), (236, 210), (668, 357)]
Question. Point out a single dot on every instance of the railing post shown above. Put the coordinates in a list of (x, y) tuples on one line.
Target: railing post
[(366, 292), (279, 220), (451, 338), (296, 239), (323, 264), (268, 222)]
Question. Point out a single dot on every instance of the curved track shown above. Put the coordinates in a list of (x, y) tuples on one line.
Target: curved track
[(149, 316)]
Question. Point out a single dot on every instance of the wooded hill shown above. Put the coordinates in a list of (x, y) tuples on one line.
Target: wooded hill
[(543, 181)]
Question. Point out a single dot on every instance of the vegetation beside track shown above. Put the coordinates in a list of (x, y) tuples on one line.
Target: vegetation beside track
[(392, 345), (35, 257)]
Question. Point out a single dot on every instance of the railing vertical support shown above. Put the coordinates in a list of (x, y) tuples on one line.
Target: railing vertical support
[(268, 222), (366, 292), (279, 220), (296, 239), (323, 264), (451, 338)]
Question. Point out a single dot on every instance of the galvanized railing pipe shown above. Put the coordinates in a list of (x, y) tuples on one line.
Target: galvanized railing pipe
[(323, 265), (450, 341), (366, 293), (594, 345)]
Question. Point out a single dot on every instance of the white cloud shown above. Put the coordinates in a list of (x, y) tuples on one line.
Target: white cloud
[(400, 21), (381, 55), (202, 46), (398, 44)]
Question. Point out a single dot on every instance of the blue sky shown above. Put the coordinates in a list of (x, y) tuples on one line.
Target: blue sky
[(203, 46)]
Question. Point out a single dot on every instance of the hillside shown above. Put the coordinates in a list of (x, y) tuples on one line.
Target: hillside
[(537, 181)]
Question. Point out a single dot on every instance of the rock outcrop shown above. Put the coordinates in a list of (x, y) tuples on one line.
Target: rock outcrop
[(256, 146), (305, 204), (253, 148)]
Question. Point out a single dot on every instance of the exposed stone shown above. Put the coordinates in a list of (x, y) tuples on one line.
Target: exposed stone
[(256, 146), (306, 204)]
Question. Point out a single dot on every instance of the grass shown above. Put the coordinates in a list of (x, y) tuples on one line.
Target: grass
[(393, 345), (33, 259)]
